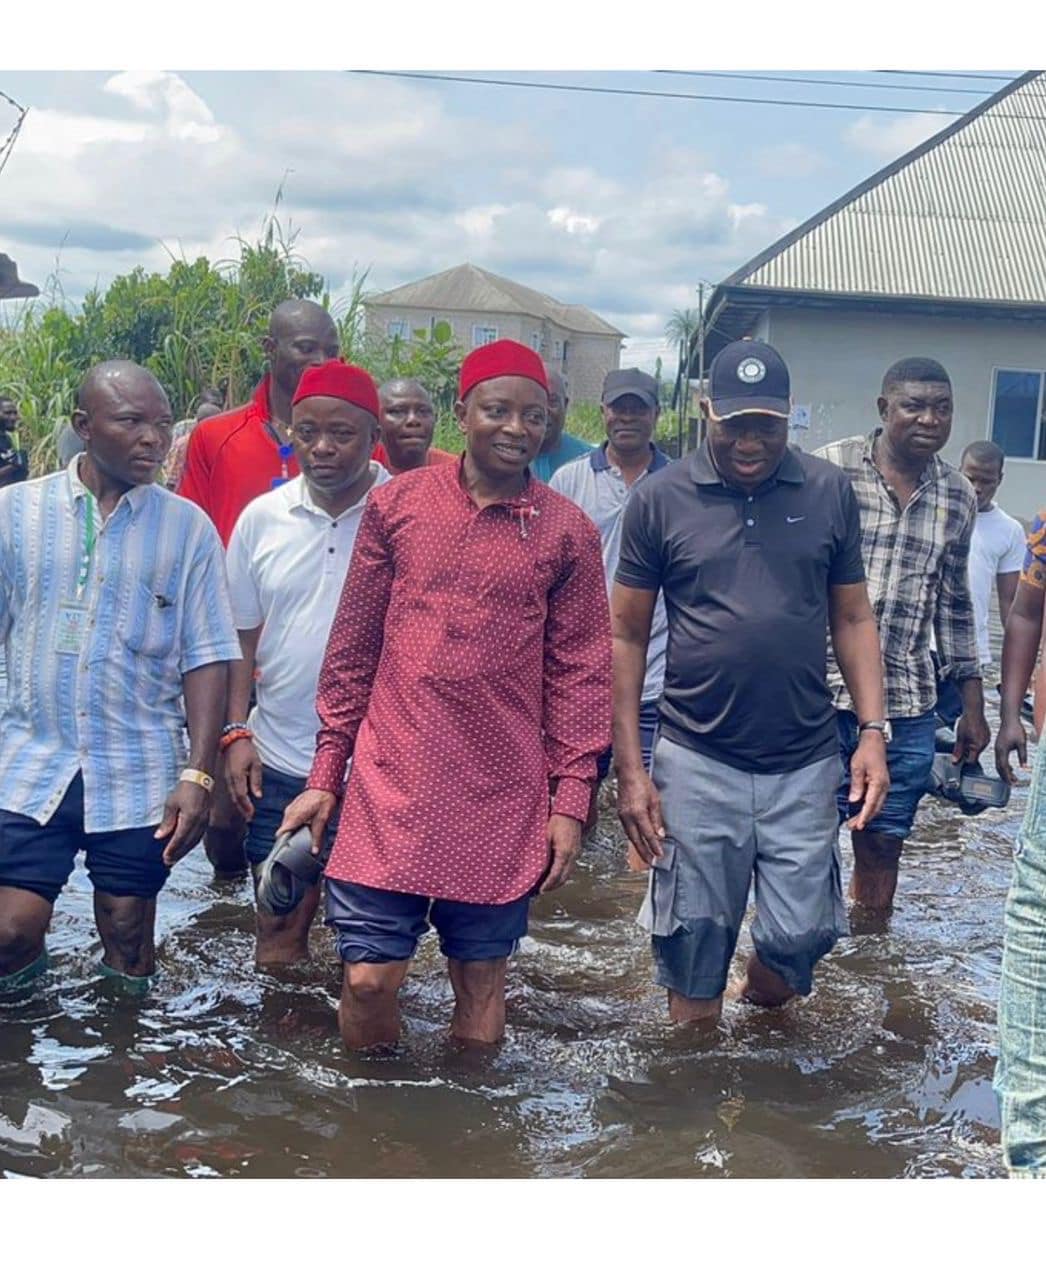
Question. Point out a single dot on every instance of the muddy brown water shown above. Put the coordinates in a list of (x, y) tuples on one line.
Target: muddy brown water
[(885, 1071)]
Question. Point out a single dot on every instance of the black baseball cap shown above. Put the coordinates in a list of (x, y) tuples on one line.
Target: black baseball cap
[(630, 382), (749, 377)]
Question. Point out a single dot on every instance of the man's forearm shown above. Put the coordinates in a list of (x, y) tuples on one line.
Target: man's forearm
[(241, 677), (856, 646), (205, 690), (629, 673), (1020, 647), (971, 690)]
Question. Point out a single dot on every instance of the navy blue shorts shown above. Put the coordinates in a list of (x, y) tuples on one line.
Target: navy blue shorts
[(377, 926), (909, 757), (649, 720), (40, 858), (278, 790)]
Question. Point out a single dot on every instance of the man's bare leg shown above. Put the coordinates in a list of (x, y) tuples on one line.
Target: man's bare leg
[(24, 917), (125, 925), (369, 1012), (684, 1010), (285, 939), (479, 1009), (764, 987), (874, 881)]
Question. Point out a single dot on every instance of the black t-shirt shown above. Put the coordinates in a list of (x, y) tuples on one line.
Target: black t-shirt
[(9, 456), (745, 581)]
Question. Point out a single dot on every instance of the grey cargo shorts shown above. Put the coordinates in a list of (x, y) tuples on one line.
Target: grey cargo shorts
[(723, 826)]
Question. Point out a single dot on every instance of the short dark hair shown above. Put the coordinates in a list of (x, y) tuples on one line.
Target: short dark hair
[(986, 451), (914, 369)]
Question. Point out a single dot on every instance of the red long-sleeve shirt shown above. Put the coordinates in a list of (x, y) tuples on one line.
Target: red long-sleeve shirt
[(468, 667), (232, 459)]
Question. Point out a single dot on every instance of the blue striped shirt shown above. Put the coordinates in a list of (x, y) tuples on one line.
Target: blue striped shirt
[(155, 605)]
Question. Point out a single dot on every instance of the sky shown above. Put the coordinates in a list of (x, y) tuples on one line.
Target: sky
[(623, 204)]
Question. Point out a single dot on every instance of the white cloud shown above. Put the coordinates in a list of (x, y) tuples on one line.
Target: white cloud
[(890, 139), (186, 116), (375, 174), (573, 223)]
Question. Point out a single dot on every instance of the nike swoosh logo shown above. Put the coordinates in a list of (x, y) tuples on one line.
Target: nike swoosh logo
[(794, 519)]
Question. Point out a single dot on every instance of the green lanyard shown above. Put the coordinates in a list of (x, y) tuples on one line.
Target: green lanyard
[(90, 538)]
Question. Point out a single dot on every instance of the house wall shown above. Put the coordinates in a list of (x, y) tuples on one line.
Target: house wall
[(588, 358), (837, 359)]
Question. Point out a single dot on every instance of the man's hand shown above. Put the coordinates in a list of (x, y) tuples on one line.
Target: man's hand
[(312, 809), (1011, 737), (869, 778), (972, 735), (564, 845), (184, 818), (639, 809), (243, 775)]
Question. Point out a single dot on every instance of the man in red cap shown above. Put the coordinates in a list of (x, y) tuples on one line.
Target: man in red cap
[(236, 456), (468, 676), (287, 561)]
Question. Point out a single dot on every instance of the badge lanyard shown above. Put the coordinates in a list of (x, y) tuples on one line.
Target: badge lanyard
[(72, 614), (90, 538), (286, 450)]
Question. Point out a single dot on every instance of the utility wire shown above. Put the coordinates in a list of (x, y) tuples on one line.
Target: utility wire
[(688, 97), (7, 146), (962, 75), (845, 84)]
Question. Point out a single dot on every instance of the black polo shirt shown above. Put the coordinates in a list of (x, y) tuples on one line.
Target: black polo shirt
[(745, 581)]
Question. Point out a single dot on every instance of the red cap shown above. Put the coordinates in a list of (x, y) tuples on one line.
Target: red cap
[(504, 359), (342, 381)]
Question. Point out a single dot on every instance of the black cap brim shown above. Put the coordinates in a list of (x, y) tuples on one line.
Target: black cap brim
[(733, 406), (648, 397)]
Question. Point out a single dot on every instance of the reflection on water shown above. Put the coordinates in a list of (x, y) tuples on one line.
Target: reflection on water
[(884, 1072)]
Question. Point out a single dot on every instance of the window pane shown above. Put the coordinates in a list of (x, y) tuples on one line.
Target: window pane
[(1015, 413), (396, 329), (482, 334)]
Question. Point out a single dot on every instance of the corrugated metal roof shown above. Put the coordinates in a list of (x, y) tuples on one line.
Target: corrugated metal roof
[(470, 288), (961, 217)]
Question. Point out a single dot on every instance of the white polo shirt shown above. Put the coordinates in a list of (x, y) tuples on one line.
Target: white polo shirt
[(287, 560), (600, 490)]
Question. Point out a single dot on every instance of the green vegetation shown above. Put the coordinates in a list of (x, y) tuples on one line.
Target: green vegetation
[(201, 324)]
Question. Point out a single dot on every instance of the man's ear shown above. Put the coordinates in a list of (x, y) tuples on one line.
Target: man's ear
[(79, 421)]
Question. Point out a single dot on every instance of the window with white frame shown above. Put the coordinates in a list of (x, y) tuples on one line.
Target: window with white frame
[(557, 350), (535, 340), (397, 329), (1018, 421), (483, 333)]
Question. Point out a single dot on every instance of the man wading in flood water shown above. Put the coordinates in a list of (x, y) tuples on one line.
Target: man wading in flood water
[(756, 548), (468, 675), (917, 518), (287, 561), (114, 610)]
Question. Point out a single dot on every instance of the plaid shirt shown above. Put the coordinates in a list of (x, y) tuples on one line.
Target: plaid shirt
[(916, 565)]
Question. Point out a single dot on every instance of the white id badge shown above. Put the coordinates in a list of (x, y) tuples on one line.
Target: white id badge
[(72, 625)]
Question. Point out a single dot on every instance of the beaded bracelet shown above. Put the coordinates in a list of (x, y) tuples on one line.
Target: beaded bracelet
[(234, 724), (234, 735)]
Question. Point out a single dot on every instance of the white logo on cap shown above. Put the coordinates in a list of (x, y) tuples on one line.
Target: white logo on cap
[(751, 370)]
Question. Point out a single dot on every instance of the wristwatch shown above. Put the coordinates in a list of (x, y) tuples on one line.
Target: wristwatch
[(880, 726)]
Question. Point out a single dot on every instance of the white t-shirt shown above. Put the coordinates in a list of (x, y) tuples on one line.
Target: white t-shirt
[(997, 546), (287, 561)]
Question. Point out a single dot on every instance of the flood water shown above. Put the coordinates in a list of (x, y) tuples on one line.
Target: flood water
[(885, 1071)]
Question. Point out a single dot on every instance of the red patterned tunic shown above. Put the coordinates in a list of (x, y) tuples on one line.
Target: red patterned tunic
[(467, 667)]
